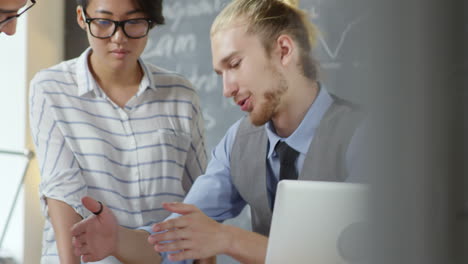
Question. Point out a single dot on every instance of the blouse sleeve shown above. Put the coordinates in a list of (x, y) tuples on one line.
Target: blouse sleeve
[(61, 177), (196, 157)]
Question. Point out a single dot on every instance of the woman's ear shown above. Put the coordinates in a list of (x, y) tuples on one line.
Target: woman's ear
[(80, 17)]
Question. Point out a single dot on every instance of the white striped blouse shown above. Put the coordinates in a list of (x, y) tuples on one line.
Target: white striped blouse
[(131, 158)]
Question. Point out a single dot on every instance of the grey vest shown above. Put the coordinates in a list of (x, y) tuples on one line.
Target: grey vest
[(325, 160)]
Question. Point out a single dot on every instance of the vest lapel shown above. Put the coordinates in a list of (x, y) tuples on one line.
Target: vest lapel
[(255, 186), (248, 170)]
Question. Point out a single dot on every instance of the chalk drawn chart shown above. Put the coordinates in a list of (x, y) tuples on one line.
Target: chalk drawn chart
[(183, 46), (342, 48)]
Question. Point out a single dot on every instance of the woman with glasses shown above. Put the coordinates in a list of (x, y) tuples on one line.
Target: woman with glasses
[(10, 10), (109, 125)]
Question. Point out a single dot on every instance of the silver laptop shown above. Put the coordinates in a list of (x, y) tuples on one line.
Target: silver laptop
[(319, 222)]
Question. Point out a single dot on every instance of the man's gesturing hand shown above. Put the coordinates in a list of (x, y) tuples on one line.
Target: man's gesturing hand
[(193, 235)]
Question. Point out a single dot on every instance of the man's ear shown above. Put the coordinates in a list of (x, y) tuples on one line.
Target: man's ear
[(286, 48), (80, 17)]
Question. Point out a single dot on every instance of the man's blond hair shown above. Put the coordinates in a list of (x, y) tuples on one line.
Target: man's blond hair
[(269, 19)]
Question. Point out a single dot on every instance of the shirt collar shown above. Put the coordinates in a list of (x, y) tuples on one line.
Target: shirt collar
[(148, 78), (85, 80), (87, 83), (302, 136)]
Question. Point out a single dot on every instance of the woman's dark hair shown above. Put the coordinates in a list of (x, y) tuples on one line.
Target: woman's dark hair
[(153, 8)]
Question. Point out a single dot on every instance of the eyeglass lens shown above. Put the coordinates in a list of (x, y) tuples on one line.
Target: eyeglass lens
[(104, 28)]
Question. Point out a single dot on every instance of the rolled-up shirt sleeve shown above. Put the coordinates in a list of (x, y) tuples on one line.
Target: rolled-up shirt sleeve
[(61, 177), (214, 192), (195, 164)]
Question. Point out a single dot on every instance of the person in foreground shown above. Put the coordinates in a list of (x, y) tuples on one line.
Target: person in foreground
[(10, 10), (262, 51), (110, 125)]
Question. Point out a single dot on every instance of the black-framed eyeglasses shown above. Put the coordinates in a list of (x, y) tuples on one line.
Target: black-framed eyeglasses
[(20, 12), (105, 28)]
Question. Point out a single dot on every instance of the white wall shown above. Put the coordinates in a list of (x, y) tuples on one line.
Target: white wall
[(12, 127), (37, 44)]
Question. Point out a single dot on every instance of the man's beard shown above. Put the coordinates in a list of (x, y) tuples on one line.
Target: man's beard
[(266, 108)]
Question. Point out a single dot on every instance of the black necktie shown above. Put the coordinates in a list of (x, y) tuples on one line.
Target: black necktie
[(288, 171), (287, 156)]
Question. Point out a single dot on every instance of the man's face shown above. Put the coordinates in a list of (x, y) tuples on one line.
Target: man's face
[(9, 8), (249, 75)]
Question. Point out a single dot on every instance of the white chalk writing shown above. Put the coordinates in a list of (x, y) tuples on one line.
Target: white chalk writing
[(169, 45), (178, 10)]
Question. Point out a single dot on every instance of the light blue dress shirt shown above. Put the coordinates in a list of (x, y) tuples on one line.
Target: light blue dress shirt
[(214, 192)]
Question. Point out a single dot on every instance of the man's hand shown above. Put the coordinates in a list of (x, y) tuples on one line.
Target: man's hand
[(194, 235), (95, 237)]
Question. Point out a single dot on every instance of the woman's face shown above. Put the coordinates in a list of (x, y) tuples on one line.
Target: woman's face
[(119, 51)]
